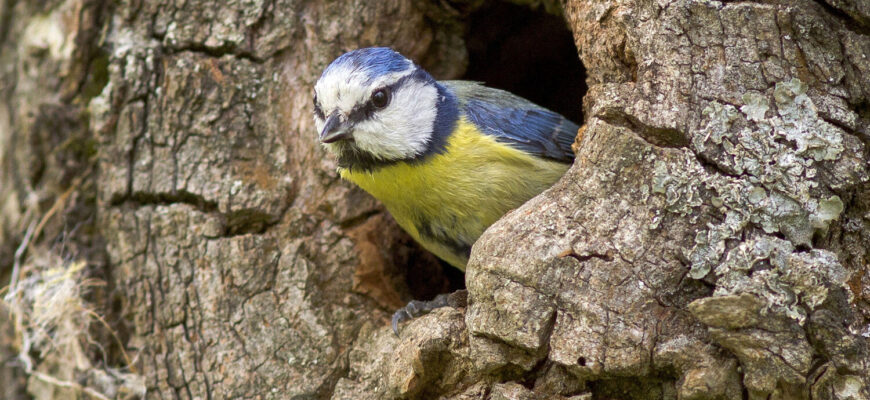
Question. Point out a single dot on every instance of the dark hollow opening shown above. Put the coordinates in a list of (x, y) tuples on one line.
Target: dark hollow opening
[(527, 52)]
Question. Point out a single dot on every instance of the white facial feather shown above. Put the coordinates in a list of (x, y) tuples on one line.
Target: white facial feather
[(401, 130), (404, 127)]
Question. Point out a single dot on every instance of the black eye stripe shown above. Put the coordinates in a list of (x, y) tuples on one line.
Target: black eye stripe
[(317, 110), (362, 112)]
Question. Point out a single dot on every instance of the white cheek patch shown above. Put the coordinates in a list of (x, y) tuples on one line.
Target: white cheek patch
[(404, 128)]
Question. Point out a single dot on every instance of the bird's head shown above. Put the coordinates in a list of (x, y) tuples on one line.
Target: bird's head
[(374, 104)]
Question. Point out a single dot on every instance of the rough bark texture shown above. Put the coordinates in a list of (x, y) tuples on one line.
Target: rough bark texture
[(711, 241)]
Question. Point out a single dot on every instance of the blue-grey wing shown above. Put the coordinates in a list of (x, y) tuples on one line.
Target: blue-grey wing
[(516, 121)]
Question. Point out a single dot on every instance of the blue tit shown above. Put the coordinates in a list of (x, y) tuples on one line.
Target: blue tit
[(446, 158)]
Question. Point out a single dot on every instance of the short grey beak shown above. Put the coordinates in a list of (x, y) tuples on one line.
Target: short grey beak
[(334, 130)]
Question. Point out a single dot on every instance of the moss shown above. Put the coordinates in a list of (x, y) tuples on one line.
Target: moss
[(80, 148), (97, 78)]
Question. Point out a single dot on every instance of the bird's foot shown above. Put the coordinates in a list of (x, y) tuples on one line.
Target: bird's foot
[(417, 308)]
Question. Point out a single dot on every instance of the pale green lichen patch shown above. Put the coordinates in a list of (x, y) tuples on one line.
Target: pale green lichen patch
[(799, 122), (720, 117), (768, 154), (777, 155), (828, 210), (774, 151), (681, 197), (791, 282), (755, 106), (765, 291)]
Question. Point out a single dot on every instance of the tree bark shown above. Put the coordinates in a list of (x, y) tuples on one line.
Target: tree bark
[(711, 240)]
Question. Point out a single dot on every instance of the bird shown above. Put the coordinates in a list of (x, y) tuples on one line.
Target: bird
[(446, 158)]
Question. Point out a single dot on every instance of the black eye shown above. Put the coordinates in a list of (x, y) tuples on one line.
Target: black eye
[(380, 98)]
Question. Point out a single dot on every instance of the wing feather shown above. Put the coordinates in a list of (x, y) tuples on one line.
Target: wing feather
[(516, 121)]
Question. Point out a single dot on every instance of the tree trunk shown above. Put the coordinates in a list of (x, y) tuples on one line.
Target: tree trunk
[(711, 241)]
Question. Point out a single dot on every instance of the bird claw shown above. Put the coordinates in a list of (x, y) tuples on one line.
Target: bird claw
[(417, 308)]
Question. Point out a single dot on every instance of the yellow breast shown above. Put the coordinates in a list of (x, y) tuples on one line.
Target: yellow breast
[(447, 200)]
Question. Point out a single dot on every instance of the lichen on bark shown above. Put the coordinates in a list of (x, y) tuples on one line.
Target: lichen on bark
[(720, 158)]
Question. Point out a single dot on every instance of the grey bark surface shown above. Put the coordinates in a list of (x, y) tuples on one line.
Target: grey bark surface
[(711, 240)]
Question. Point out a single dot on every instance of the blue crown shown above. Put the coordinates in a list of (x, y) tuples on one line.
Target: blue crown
[(372, 61)]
